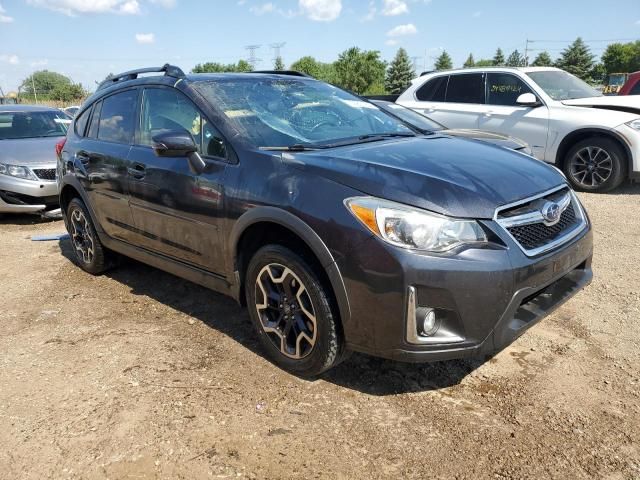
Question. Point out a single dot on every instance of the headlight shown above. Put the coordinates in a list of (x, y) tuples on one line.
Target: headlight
[(17, 171), (635, 124), (413, 228)]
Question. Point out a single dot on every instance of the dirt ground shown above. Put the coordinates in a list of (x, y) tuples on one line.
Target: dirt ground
[(138, 374)]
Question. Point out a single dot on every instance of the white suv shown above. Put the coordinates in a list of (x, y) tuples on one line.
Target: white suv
[(594, 139)]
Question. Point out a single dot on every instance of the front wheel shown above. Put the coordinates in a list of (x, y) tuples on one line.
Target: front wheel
[(596, 165), (292, 312)]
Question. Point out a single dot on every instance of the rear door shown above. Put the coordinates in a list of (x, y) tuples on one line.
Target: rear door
[(101, 160), (503, 115), (464, 101), (178, 212)]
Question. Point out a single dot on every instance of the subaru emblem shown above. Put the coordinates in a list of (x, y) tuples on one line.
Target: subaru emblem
[(550, 212)]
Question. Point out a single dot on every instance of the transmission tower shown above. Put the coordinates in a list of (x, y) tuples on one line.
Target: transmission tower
[(276, 47), (253, 60)]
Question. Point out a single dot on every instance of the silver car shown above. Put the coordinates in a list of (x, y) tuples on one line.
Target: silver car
[(28, 137)]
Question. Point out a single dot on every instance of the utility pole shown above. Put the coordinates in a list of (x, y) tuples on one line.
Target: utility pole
[(33, 84), (276, 49), (415, 59), (526, 52), (253, 60)]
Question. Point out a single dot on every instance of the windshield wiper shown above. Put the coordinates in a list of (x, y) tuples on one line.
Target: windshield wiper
[(296, 147), (370, 137), (386, 135)]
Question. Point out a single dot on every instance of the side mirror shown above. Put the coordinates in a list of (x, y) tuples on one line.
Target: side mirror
[(174, 143), (527, 100), (179, 143)]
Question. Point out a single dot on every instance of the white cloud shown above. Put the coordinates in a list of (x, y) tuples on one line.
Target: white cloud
[(12, 59), (391, 8), (145, 38), (4, 18), (79, 7), (391, 42), (401, 30), (371, 13), (39, 63), (321, 10), (262, 9)]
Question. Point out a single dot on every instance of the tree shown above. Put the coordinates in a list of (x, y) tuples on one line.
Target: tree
[(400, 73), (358, 70), (622, 57), (470, 62), (485, 62), (515, 59), (48, 85), (576, 59), (543, 59), (498, 58), (443, 62), (214, 67), (598, 74), (308, 65), (278, 64)]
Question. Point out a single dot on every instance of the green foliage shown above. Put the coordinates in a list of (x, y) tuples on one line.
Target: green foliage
[(622, 57), (598, 74), (543, 59), (278, 64), (470, 62), (214, 67), (308, 65), (576, 59), (51, 86), (399, 74), (485, 62), (498, 58), (443, 62), (358, 70), (515, 60)]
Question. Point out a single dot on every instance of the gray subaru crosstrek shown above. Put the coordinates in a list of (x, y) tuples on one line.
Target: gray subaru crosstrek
[(338, 226)]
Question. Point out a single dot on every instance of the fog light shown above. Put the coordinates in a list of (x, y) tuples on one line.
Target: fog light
[(428, 325)]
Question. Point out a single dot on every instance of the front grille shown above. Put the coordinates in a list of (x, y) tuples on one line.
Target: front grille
[(45, 173), (526, 224), (536, 235)]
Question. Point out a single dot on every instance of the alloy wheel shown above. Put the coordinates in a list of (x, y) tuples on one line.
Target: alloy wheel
[(81, 236), (591, 167), (285, 311)]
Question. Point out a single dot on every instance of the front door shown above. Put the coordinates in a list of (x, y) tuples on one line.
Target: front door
[(102, 158), (176, 211), (503, 115)]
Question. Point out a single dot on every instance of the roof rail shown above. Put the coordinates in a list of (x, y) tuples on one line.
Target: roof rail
[(169, 71), (292, 73)]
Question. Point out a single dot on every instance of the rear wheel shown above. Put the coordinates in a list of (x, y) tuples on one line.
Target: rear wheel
[(596, 164), (89, 251), (291, 310)]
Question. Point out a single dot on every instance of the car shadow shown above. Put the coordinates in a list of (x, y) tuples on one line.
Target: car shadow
[(24, 219), (366, 374)]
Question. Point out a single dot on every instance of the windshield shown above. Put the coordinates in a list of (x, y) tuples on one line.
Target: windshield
[(561, 85), (15, 125), (274, 113), (617, 79), (411, 117)]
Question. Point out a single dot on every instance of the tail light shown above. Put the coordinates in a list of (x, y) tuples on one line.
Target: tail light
[(60, 146)]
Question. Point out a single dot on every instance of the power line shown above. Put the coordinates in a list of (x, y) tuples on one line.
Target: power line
[(585, 41)]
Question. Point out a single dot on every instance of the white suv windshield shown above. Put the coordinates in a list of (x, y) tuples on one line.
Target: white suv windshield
[(561, 85), (286, 112)]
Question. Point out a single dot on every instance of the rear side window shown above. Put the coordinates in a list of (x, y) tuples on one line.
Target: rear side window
[(117, 117), (466, 88), (504, 89), (434, 90), (635, 90), (81, 122)]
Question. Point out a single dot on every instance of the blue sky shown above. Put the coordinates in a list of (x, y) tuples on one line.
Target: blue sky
[(87, 39)]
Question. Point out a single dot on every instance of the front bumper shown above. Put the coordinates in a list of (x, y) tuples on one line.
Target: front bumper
[(632, 139), (485, 298), (18, 195)]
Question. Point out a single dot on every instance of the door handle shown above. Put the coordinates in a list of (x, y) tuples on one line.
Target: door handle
[(138, 171)]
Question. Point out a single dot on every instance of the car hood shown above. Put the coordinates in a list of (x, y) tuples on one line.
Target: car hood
[(29, 151), (625, 103), (491, 137), (447, 175)]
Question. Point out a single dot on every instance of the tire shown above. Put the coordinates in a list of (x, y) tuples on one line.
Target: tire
[(313, 343), (596, 164), (89, 252)]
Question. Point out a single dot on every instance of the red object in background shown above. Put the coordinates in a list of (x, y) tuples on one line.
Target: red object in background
[(60, 146), (632, 85)]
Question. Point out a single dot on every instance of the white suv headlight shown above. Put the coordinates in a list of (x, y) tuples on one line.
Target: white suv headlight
[(413, 228), (635, 124), (17, 171)]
